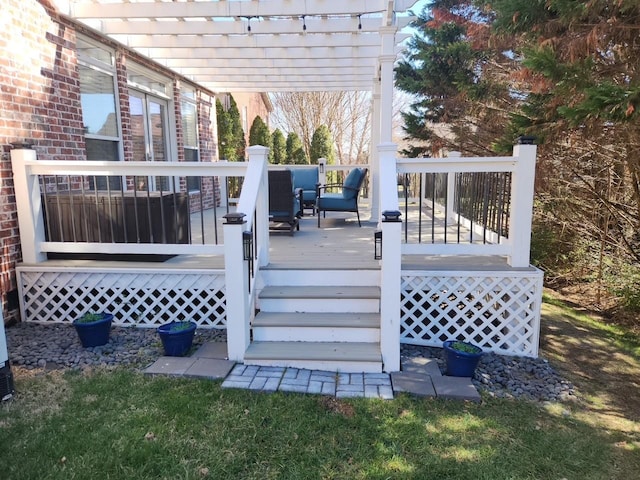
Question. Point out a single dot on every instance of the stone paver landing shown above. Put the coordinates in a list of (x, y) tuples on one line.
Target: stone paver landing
[(419, 376)]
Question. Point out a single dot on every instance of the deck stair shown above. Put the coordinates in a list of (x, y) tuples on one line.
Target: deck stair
[(320, 319)]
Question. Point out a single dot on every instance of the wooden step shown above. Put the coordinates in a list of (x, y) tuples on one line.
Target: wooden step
[(331, 356), (340, 299), (270, 275), (316, 327), (323, 292)]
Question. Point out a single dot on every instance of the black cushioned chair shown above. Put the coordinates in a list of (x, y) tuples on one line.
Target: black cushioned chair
[(285, 204)]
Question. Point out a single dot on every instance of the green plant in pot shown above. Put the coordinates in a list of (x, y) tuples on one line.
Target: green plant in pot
[(93, 328), (177, 337), (461, 358)]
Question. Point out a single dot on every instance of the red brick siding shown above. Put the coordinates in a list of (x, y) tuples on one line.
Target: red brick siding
[(40, 103)]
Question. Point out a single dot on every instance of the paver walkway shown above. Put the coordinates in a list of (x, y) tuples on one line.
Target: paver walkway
[(419, 376)]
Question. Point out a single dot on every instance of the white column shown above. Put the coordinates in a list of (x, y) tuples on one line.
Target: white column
[(387, 59), (29, 206), (391, 263), (236, 292), (522, 187), (374, 157)]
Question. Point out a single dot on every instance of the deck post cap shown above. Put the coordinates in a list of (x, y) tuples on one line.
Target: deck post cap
[(391, 215), (236, 218)]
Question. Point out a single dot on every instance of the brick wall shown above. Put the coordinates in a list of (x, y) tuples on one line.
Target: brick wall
[(40, 103)]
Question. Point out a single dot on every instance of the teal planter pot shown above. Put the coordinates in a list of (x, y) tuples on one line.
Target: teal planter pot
[(93, 329), (461, 361), (177, 337)]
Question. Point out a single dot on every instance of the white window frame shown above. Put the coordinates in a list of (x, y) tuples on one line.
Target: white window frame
[(108, 69), (194, 102)]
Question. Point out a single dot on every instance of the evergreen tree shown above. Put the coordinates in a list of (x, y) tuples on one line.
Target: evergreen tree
[(279, 147), (322, 145), (457, 80), (226, 141), (259, 135), (238, 132), (295, 150)]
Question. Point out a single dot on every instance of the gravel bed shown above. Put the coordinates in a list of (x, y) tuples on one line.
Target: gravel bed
[(49, 347), (34, 346), (507, 376)]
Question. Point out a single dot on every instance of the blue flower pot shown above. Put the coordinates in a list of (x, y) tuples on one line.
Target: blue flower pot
[(94, 334), (461, 364), (176, 339)]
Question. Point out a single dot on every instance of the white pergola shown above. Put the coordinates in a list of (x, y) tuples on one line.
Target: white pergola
[(266, 45)]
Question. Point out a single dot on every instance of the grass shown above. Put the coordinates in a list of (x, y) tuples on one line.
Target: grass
[(121, 424), (124, 425)]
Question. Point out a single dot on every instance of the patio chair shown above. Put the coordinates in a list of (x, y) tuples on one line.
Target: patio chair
[(307, 180), (285, 205), (345, 199)]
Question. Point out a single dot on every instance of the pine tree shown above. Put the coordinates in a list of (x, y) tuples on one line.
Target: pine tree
[(226, 141), (259, 135), (322, 145), (238, 132), (458, 80), (295, 150), (279, 147)]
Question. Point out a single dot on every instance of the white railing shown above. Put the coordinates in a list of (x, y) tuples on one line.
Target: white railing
[(27, 171), (521, 166), (253, 203), (500, 310), (244, 253)]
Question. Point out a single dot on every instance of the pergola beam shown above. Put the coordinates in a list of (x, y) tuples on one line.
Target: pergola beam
[(308, 54), (249, 41), (263, 8), (209, 27)]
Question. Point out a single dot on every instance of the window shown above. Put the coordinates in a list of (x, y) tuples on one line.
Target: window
[(149, 111), (99, 107), (189, 113)]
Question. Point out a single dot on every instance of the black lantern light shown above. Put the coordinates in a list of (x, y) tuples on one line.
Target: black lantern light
[(247, 245), (377, 242)]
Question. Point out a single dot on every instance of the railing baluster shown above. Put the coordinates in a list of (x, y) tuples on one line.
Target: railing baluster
[(420, 207), (124, 216), (113, 237), (43, 188), (148, 188), (215, 210)]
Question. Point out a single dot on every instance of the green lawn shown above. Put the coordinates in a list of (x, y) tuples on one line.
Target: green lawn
[(123, 425)]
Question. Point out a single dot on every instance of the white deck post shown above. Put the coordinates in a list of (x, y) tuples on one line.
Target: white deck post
[(374, 156), (30, 219), (257, 154), (522, 187), (390, 267), (322, 171), (451, 191), (237, 289)]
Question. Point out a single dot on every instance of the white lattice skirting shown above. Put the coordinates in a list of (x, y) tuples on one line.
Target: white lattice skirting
[(499, 311), (144, 299)]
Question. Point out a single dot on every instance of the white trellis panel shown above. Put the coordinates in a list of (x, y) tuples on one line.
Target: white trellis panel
[(146, 299), (499, 311)]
